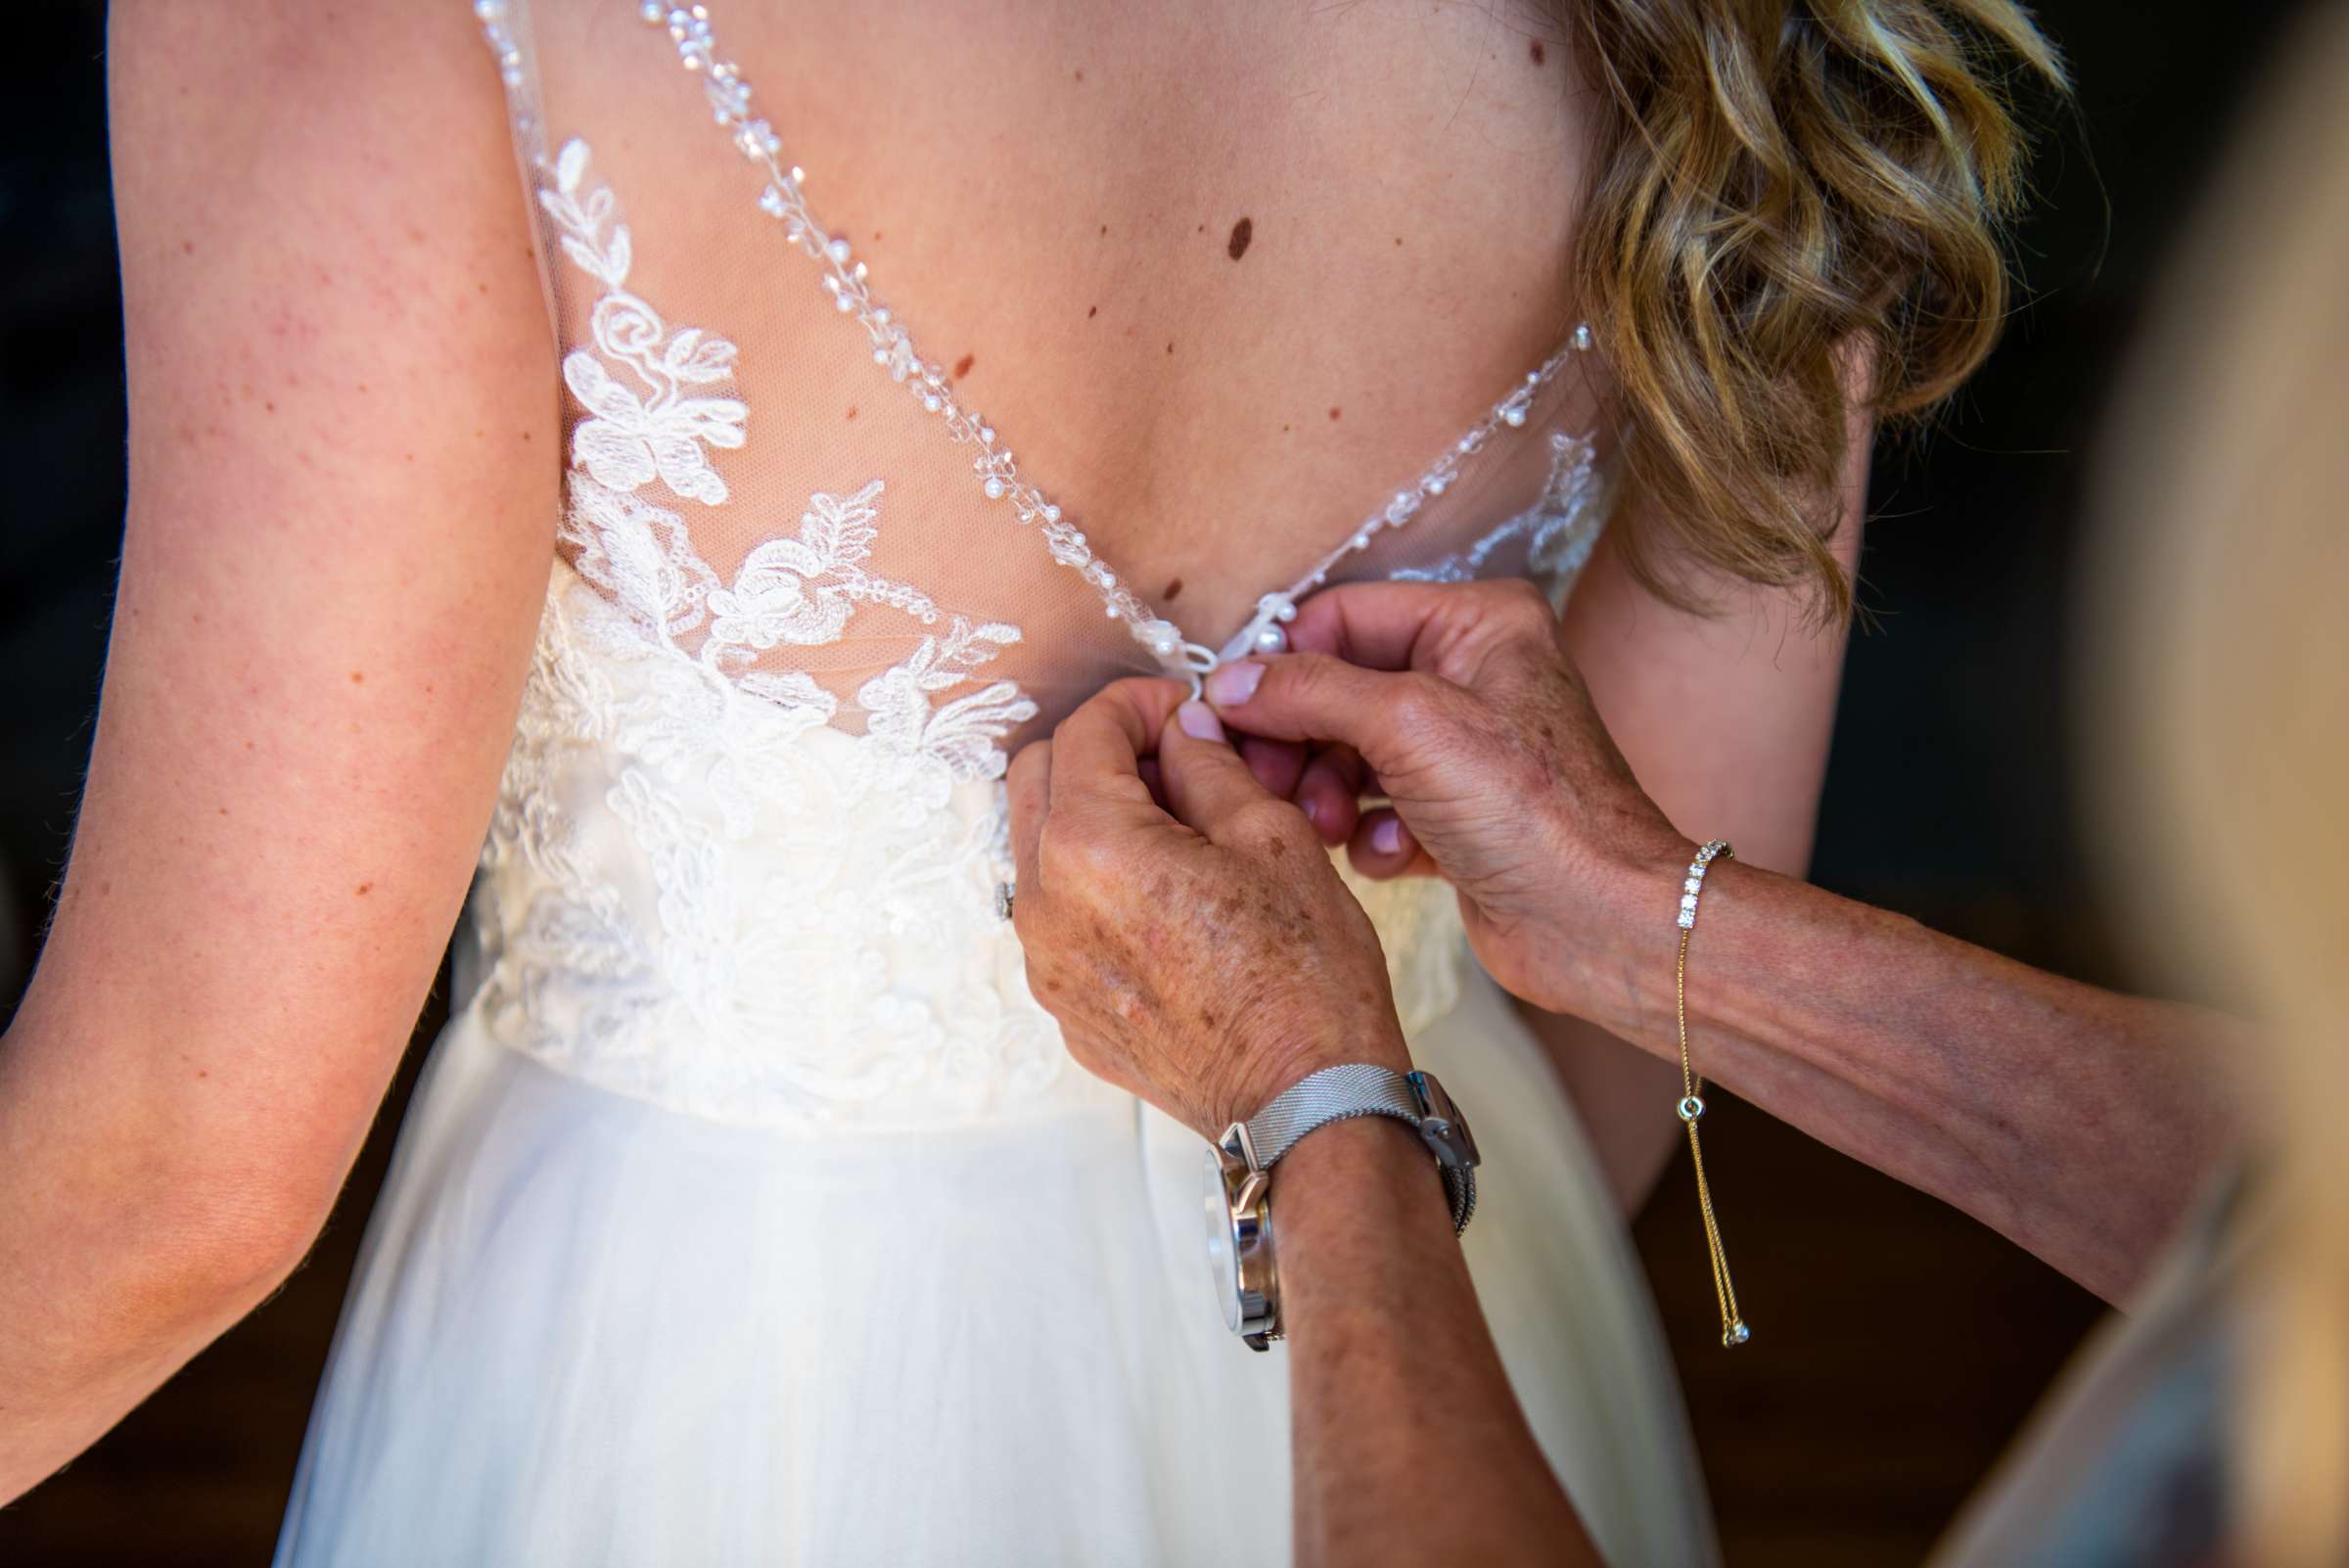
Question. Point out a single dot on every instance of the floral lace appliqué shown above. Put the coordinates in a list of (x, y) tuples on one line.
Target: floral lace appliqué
[(800, 590), (704, 886)]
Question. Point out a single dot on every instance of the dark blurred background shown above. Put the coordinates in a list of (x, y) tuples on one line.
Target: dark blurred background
[(1898, 1345)]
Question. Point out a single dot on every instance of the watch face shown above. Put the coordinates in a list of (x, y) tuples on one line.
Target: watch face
[(1223, 1261)]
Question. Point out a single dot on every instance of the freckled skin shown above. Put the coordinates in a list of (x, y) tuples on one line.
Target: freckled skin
[(1204, 972), (1208, 967)]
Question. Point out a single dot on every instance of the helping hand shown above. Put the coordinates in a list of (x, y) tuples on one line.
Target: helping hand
[(1204, 954), (1458, 703)]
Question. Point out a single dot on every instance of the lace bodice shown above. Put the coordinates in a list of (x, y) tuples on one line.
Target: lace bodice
[(746, 845)]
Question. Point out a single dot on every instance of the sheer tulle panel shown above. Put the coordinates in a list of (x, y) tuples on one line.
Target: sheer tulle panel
[(764, 495), (1523, 495)]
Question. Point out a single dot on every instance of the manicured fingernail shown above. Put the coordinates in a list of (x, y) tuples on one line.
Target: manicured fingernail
[(1199, 721), (1386, 835), (1312, 810), (1233, 684)]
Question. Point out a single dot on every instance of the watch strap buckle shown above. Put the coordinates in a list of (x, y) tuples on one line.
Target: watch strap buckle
[(1442, 1127)]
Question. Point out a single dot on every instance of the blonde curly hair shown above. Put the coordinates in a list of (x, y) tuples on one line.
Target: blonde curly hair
[(1797, 206)]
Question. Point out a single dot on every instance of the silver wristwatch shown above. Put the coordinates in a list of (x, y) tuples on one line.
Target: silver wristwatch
[(1239, 1176)]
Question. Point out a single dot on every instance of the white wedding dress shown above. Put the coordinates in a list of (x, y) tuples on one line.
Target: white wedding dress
[(750, 1212)]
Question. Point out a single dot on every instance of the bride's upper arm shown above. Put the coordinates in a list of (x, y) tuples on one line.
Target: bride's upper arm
[(343, 472), (1724, 718)]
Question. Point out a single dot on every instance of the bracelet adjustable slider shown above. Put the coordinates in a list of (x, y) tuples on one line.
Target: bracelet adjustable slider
[(1691, 1107)]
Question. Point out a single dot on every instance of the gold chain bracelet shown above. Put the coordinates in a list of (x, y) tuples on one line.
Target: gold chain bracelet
[(1691, 1108)]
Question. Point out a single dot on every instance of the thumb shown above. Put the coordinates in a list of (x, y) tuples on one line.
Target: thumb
[(1208, 782), (1320, 697)]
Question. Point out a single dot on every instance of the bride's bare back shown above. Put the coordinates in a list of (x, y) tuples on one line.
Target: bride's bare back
[(1225, 274), (1192, 305)]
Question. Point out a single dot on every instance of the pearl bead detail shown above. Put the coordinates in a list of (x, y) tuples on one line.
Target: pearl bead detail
[(1271, 640)]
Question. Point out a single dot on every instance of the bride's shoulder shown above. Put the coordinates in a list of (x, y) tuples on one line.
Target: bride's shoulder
[(323, 192), (385, 114), (331, 309)]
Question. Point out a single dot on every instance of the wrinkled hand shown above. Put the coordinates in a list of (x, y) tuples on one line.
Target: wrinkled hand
[(1458, 703), (1202, 954)]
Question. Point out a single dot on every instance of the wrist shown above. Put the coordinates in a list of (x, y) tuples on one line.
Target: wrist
[(1263, 1075), (1370, 1175), (1608, 946)]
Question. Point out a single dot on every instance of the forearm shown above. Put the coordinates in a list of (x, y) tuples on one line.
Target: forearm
[(2078, 1123), (1410, 1446)]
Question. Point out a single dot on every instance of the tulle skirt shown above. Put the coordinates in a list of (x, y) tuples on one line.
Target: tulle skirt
[(588, 1330)]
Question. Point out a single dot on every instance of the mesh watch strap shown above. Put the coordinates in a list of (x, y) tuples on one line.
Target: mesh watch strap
[(1340, 1094)]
